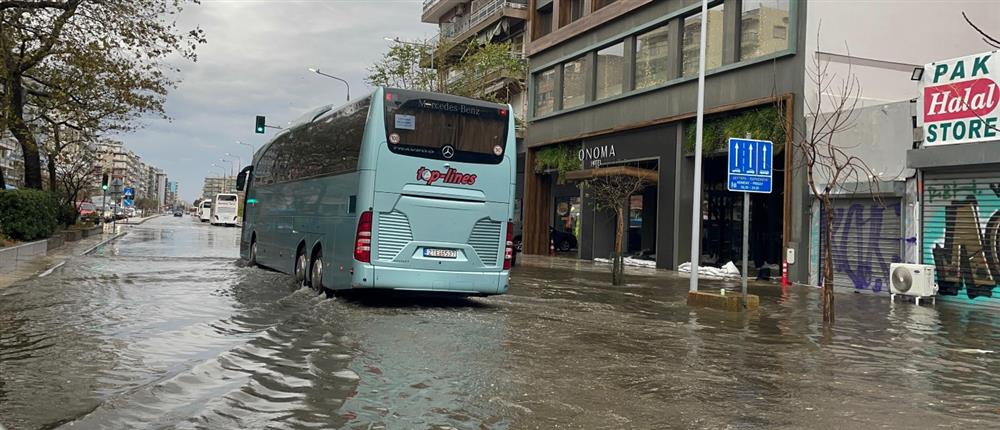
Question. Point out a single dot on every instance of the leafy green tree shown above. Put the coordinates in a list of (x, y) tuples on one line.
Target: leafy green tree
[(488, 63), (86, 64), (401, 67)]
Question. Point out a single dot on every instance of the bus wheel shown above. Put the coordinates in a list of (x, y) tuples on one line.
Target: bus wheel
[(317, 271), (301, 265), (253, 252)]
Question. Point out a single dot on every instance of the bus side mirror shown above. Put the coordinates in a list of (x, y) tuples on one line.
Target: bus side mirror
[(241, 179)]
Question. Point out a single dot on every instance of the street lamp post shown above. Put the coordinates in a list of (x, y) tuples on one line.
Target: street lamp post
[(700, 123), (228, 161), (224, 177), (318, 72), (249, 146)]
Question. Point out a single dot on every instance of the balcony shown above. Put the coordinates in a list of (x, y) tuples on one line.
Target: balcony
[(487, 12), (435, 9), (489, 80)]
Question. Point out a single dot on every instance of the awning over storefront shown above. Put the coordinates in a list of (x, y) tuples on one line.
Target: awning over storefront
[(585, 174)]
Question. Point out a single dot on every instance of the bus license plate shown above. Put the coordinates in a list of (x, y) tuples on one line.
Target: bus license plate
[(440, 253)]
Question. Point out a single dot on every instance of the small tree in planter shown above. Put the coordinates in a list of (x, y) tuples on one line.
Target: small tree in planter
[(610, 189)]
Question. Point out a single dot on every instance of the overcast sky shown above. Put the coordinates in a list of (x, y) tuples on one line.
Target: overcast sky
[(255, 63)]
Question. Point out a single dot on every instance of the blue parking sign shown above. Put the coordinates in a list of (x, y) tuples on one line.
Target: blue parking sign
[(750, 165)]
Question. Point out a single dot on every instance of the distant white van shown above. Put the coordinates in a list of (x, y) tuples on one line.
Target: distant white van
[(205, 211)]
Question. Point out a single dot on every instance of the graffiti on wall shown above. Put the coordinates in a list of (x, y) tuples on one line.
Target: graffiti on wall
[(864, 246), (964, 238)]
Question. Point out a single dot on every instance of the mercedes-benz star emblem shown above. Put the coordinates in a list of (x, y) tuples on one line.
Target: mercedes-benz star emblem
[(448, 151)]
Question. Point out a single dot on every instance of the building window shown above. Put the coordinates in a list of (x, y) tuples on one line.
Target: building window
[(598, 4), (570, 11), (651, 50), (574, 82), (543, 21), (713, 41), (545, 86), (610, 68), (763, 28)]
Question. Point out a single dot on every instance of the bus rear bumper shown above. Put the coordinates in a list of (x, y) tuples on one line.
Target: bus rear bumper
[(475, 283)]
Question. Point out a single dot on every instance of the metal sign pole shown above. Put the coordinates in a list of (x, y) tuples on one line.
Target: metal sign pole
[(746, 238)]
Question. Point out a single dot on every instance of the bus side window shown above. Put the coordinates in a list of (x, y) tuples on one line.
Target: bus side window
[(352, 204)]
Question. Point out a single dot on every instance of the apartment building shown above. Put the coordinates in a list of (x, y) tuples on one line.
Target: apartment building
[(11, 162), (217, 185)]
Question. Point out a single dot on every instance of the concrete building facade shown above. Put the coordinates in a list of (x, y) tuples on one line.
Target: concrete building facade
[(612, 83)]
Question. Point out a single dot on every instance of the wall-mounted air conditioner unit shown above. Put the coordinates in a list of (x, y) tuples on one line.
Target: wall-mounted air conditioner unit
[(915, 280)]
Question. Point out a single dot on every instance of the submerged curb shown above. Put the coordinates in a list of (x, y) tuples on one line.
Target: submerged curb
[(103, 242)]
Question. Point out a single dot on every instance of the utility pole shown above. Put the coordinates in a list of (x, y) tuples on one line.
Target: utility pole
[(700, 125)]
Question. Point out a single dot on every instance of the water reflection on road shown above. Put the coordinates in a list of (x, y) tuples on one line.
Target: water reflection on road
[(164, 328)]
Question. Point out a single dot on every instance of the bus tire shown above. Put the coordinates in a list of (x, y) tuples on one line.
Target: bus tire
[(316, 271), (301, 266), (253, 250)]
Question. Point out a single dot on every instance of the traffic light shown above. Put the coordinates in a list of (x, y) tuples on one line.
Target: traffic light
[(260, 124), (104, 182)]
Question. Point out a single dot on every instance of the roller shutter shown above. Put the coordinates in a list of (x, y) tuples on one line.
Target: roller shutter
[(960, 226), (866, 240)]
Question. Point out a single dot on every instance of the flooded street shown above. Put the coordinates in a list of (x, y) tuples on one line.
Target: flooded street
[(164, 328)]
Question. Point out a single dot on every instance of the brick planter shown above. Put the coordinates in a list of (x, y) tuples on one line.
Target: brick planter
[(72, 235), (92, 231), (55, 241)]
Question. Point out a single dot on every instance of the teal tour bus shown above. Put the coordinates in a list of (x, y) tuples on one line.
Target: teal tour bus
[(400, 190)]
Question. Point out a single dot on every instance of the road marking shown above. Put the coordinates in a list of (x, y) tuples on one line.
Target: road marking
[(49, 272)]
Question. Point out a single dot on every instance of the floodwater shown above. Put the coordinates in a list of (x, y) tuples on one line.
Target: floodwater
[(165, 329)]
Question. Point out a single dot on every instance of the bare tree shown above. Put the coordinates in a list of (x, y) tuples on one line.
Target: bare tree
[(77, 171), (611, 188), (828, 164), (990, 40)]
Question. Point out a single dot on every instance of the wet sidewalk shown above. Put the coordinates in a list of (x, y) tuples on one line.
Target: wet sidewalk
[(54, 257)]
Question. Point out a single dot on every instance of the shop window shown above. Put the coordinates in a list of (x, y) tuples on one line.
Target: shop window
[(545, 86), (610, 68), (651, 50), (713, 42), (763, 28), (574, 83)]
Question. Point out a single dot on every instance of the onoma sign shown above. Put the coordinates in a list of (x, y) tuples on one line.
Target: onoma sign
[(960, 100)]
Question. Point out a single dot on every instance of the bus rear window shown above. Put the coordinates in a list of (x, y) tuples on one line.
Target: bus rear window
[(444, 130), (229, 198)]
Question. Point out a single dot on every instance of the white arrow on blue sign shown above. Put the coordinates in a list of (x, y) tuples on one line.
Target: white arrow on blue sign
[(750, 165)]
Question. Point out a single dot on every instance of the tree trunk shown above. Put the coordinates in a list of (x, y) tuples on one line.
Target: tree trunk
[(828, 313), (618, 267), (3, 180), (51, 167), (19, 128)]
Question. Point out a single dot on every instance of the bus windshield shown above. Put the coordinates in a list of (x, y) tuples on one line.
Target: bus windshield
[(422, 127), (226, 198), (206, 205)]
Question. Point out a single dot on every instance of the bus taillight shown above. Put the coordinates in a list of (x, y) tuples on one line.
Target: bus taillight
[(363, 240), (508, 254)]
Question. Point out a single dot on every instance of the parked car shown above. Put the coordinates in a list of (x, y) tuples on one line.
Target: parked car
[(86, 209), (563, 241)]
